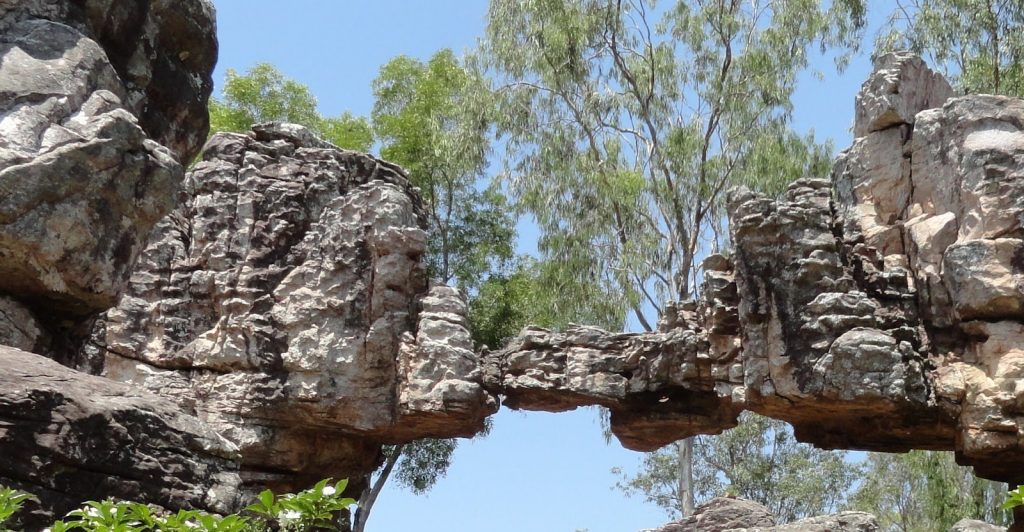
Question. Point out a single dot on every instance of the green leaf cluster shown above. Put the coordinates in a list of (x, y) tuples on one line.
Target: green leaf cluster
[(624, 123), (11, 502), (316, 509), (264, 94), (1014, 498)]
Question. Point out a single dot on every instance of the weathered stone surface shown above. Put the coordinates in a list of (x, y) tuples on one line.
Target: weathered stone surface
[(68, 437), (659, 387), (721, 514), (19, 327), (726, 514), (900, 87), (973, 525), (100, 102), (284, 297), (163, 52), (840, 522)]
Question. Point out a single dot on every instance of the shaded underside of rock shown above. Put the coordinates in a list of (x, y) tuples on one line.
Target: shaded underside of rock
[(67, 437)]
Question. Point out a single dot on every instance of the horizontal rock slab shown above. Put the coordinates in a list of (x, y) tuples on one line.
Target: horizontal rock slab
[(67, 437)]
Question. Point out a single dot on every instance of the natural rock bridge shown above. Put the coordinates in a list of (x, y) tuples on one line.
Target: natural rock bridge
[(271, 322)]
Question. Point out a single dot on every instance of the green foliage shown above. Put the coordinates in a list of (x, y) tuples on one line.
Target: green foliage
[(263, 94), (11, 501), (758, 460), (432, 118), (978, 43), (423, 463), (623, 133), (1014, 498), (316, 509), (925, 490)]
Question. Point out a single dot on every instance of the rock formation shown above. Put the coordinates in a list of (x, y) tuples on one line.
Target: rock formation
[(284, 302), (725, 514), (883, 310), (67, 436), (267, 320), (102, 102)]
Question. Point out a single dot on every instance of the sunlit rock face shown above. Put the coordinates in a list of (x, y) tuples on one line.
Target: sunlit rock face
[(880, 310), (727, 514), (284, 302), (101, 102)]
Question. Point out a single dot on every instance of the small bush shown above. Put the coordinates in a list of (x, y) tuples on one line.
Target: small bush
[(316, 509)]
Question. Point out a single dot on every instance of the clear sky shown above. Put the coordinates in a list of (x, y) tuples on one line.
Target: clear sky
[(535, 471)]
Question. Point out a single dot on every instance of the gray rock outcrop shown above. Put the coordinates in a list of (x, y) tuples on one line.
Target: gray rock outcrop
[(102, 102), (285, 303), (727, 514), (721, 514)]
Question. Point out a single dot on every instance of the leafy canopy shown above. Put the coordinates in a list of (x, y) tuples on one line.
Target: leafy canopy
[(622, 133), (759, 460), (264, 94)]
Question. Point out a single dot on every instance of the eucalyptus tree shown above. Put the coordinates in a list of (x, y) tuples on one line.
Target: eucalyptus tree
[(979, 44), (926, 490), (625, 122), (759, 460)]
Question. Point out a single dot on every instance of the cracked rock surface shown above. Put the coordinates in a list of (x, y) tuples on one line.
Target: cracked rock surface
[(100, 103), (66, 436), (284, 302)]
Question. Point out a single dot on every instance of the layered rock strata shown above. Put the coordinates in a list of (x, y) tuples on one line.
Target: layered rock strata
[(881, 310), (285, 303)]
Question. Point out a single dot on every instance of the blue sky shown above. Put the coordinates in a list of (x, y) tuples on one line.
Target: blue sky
[(535, 471)]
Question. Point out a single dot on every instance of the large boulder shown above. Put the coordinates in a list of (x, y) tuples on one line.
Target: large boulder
[(724, 513), (101, 104), (286, 303)]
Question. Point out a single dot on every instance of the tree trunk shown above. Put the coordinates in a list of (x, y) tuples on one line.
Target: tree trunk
[(369, 496), (685, 448)]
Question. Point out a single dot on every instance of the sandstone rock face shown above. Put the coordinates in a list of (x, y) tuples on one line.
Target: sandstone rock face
[(840, 522), (881, 310), (101, 102), (900, 87), (66, 436), (724, 513), (285, 303), (973, 525)]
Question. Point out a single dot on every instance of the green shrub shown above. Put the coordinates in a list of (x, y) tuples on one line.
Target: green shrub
[(1014, 498), (316, 509)]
